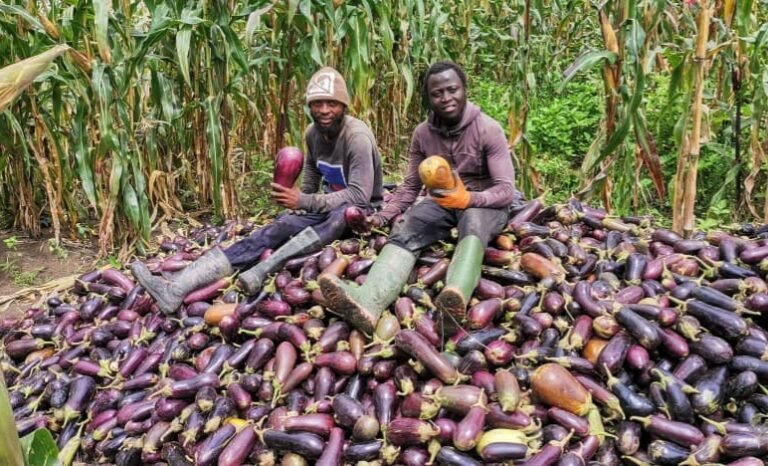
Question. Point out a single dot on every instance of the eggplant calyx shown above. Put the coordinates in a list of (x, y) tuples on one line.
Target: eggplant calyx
[(255, 333), (644, 420), (719, 426), (611, 379)]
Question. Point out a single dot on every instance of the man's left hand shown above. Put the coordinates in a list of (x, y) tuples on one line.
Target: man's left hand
[(286, 197), (456, 198)]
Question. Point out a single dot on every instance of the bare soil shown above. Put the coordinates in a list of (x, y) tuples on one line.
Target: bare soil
[(28, 264)]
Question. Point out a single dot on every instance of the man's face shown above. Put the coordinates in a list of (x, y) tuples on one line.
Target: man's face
[(327, 115), (447, 96)]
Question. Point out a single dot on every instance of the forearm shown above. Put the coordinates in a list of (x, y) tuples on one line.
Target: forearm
[(501, 193), (319, 202)]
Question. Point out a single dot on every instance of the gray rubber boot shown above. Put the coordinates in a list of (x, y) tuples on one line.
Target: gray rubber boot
[(305, 242), (361, 306), (169, 294)]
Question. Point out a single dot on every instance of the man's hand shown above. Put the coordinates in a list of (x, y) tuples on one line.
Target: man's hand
[(456, 198), (374, 221), (286, 197)]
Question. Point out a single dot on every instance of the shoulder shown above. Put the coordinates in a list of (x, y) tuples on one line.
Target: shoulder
[(421, 130), (354, 126), (488, 123), (310, 133), (489, 129)]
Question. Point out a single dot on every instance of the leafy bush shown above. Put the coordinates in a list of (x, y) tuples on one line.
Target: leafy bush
[(566, 124), (560, 128)]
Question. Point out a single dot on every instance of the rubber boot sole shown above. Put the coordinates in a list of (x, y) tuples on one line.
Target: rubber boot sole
[(453, 310), (251, 281), (167, 301), (345, 305)]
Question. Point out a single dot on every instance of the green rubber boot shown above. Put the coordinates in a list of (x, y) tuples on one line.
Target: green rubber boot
[(361, 306), (169, 294), (461, 280), (305, 242)]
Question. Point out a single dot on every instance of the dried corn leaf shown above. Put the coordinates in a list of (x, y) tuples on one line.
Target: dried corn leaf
[(17, 77)]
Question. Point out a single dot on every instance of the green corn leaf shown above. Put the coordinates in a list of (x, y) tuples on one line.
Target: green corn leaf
[(235, 48), (215, 149), (293, 5), (10, 450), (23, 14), (743, 13), (586, 61), (39, 449), (82, 155), (183, 43), (635, 39), (191, 17), (305, 7), (254, 22), (617, 138), (131, 204), (101, 24)]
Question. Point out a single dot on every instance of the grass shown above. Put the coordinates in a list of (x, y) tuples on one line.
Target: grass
[(18, 276)]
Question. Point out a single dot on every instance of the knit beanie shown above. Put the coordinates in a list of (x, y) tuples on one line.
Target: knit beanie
[(327, 84)]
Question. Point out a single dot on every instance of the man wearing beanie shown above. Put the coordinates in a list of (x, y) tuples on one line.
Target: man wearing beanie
[(342, 158)]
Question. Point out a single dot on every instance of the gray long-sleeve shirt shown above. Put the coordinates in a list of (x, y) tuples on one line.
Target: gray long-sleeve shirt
[(349, 168), (476, 149)]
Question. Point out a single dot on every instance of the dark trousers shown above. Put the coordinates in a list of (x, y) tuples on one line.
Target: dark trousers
[(426, 223), (245, 253)]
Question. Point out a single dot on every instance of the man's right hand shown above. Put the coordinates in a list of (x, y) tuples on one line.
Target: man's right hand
[(375, 221)]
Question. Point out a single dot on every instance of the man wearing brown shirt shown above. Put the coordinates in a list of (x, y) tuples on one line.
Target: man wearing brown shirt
[(475, 147), (342, 159)]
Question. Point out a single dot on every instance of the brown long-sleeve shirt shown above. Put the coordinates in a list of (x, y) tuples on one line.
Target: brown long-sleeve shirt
[(476, 148), (349, 168)]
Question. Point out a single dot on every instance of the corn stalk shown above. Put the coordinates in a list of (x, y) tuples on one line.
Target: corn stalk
[(683, 216), (623, 144)]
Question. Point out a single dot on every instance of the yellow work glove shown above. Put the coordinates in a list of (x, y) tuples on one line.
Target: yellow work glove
[(456, 198)]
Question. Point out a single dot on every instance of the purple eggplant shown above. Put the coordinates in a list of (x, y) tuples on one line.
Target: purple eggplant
[(305, 444), (363, 451)]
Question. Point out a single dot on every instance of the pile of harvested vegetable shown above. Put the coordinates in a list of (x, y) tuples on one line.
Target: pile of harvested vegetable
[(590, 340)]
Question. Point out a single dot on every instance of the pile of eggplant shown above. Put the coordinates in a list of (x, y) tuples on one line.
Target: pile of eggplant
[(590, 339)]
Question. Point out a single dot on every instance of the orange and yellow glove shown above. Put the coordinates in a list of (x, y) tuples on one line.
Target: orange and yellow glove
[(456, 198), (443, 184)]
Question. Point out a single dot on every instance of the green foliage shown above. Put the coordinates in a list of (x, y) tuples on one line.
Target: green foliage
[(492, 97), (254, 196), (560, 129), (11, 242), (719, 213), (10, 450), (564, 125), (39, 449), (56, 249)]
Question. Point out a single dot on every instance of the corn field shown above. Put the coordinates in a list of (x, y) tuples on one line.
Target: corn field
[(156, 109)]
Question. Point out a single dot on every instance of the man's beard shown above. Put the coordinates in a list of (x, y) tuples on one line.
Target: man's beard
[(333, 130)]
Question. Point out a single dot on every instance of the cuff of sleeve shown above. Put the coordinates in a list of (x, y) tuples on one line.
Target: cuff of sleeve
[(474, 199), (305, 201)]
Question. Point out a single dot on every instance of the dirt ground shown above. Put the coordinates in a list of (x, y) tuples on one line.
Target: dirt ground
[(29, 264)]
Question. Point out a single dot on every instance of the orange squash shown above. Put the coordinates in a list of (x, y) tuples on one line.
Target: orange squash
[(555, 386), (593, 348), (218, 311), (435, 172)]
